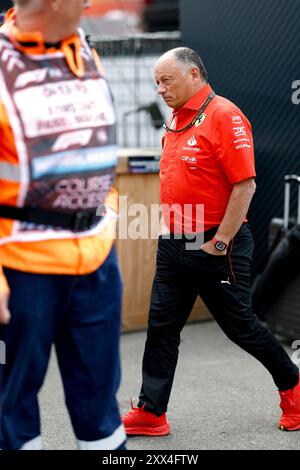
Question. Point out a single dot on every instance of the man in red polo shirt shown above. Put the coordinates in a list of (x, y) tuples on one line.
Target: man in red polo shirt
[(207, 183)]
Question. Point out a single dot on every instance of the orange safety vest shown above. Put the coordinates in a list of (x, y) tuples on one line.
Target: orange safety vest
[(58, 152)]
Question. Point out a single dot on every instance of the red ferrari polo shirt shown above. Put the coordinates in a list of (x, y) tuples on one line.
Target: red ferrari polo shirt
[(200, 166)]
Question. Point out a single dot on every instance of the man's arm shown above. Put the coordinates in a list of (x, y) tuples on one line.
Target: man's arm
[(4, 296), (235, 214)]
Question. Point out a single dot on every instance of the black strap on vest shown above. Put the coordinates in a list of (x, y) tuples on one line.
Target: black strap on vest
[(78, 222)]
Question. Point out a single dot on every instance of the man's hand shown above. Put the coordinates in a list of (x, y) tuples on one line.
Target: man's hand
[(210, 248), (4, 312), (236, 210)]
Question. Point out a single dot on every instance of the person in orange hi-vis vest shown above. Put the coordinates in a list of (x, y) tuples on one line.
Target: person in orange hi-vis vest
[(60, 281)]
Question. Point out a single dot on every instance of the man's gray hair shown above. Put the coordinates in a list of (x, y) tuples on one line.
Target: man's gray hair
[(188, 58)]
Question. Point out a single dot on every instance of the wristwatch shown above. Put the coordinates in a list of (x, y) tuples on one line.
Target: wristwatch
[(219, 245)]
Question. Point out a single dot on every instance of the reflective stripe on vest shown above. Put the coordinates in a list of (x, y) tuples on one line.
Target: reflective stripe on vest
[(9, 172)]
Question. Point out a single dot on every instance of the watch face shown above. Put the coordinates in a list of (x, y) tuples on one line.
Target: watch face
[(221, 246)]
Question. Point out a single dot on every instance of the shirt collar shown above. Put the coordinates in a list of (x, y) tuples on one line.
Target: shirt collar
[(33, 42), (195, 102)]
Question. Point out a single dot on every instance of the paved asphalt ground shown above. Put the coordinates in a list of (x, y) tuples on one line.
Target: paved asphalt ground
[(222, 398)]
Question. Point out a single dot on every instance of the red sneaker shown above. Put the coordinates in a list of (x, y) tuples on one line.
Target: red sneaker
[(144, 423), (290, 405)]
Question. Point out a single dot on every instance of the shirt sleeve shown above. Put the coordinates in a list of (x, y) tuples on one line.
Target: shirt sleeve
[(233, 144)]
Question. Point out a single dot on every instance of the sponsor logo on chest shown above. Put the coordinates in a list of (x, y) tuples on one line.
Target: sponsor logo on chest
[(188, 159), (192, 142)]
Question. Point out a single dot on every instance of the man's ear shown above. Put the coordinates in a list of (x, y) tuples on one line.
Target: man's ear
[(195, 73)]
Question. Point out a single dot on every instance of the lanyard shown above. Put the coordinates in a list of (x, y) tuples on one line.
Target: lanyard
[(198, 115)]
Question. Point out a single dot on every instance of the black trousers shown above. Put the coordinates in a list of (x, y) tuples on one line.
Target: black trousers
[(223, 283)]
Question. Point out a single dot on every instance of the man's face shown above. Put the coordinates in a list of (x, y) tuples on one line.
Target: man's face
[(176, 86)]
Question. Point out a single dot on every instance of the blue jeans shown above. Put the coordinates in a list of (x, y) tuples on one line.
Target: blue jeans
[(80, 315)]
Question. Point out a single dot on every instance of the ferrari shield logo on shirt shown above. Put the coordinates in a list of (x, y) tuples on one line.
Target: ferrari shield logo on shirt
[(200, 120)]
